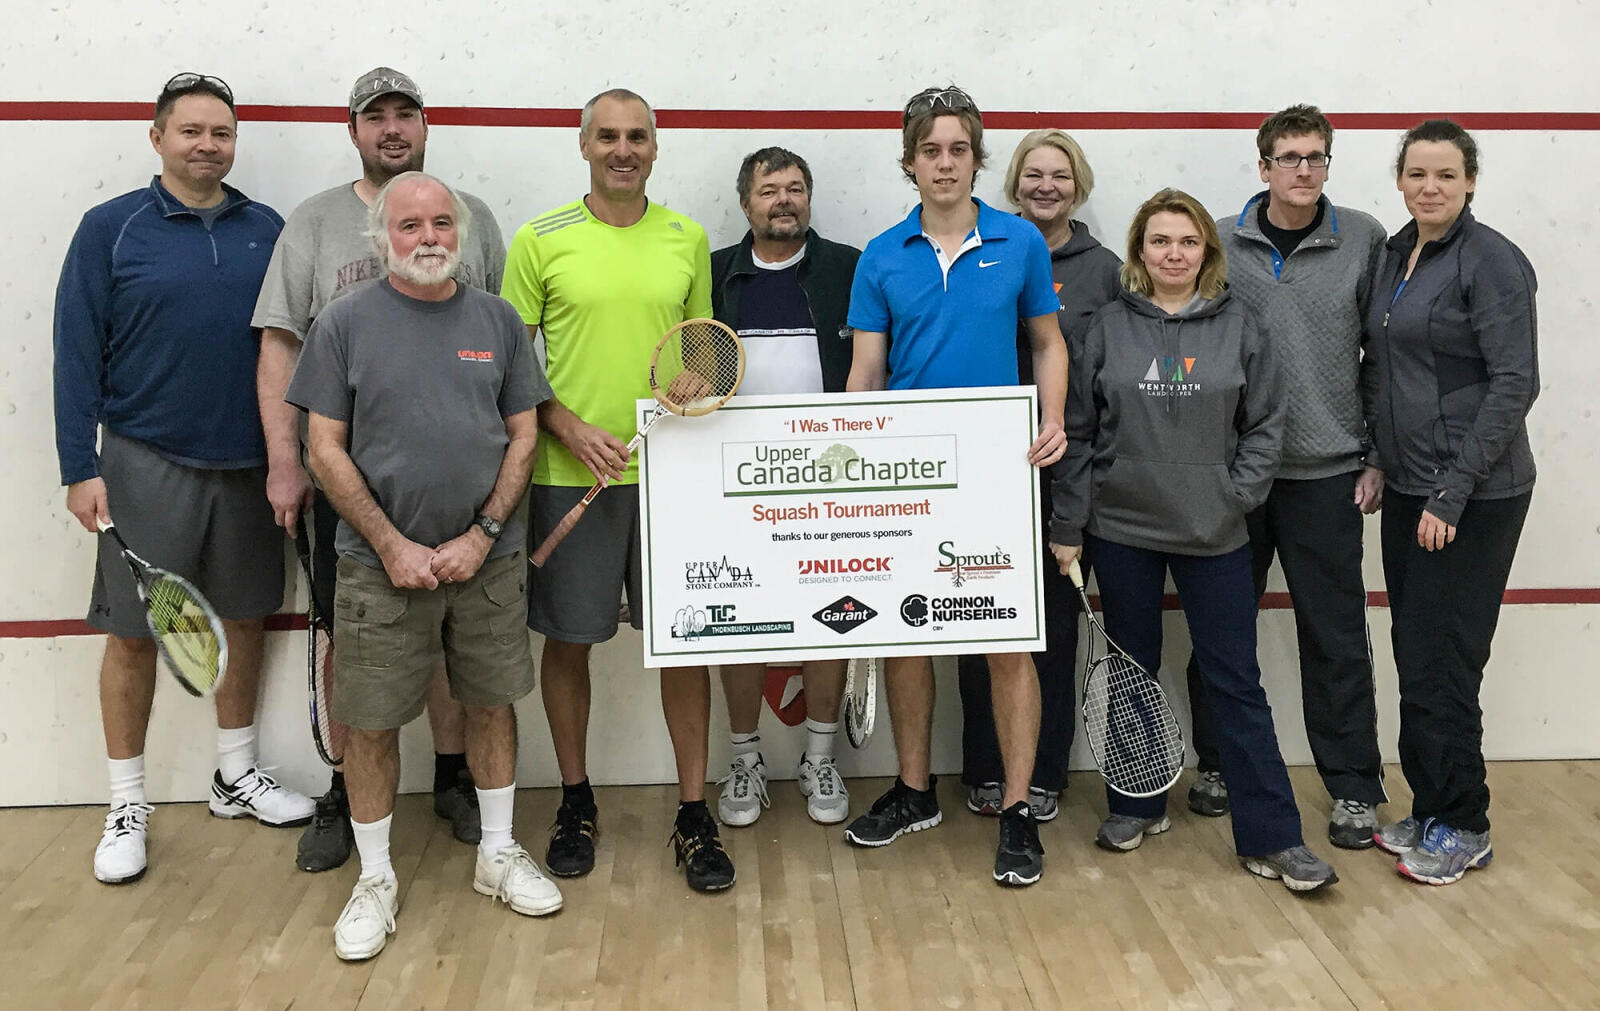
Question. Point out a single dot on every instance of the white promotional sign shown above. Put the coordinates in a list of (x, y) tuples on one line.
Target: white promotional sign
[(822, 526)]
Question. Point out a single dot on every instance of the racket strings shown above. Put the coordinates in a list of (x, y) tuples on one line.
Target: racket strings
[(185, 630), (697, 368), (1130, 727)]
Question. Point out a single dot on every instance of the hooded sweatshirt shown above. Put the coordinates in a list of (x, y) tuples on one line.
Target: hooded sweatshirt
[(1174, 428), (1085, 276)]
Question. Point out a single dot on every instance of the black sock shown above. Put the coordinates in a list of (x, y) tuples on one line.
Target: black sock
[(336, 783), (580, 794), (447, 770), (692, 808)]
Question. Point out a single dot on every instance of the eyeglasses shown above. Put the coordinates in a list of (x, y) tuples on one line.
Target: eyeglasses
[(1317, 160), (189, 79), (951, 98)]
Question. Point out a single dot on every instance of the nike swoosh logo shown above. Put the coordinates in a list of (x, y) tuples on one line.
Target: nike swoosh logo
[(987, 263)]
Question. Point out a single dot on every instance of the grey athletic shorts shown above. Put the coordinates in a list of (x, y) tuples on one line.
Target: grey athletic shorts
[(386, 642), (213, 527), (574, 598)]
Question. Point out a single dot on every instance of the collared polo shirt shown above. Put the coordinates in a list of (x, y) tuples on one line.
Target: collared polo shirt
[(953, 323)]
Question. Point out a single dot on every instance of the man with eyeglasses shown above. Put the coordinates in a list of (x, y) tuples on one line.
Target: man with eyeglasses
[(154, 351), (325, 254), (950, 284), (1304, 267)]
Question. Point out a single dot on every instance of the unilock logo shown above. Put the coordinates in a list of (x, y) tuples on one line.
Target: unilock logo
[(691, 623), (865, 464), (845, 614), (844, 570), (962, 566)]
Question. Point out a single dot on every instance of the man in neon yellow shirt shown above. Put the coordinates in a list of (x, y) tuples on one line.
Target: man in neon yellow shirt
[(603, 278)]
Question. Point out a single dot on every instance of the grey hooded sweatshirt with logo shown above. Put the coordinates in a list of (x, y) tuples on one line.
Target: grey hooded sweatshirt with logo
[(1174, 428)]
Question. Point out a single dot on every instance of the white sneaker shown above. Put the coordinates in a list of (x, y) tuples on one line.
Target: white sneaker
[(257, 795), (368, 918), (827, 800), (120, 857), (512, 875), (744, 790)]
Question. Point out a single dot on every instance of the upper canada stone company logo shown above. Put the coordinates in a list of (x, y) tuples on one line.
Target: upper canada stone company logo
[(845, 614)]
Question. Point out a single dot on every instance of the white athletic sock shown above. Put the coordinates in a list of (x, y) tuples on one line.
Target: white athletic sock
[(745, 744), (236, 752), (820, 737), (372, 842), (495, 808), (127, 780)]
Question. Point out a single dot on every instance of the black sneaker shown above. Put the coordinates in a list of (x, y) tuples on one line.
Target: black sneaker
[(458, 805), (327, 841), (571, 850), (1208, 795), (696, 846), (898, 811), (1019, 860)]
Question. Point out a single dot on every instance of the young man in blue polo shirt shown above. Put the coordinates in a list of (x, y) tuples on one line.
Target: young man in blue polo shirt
[(154, 351), (949, 285)]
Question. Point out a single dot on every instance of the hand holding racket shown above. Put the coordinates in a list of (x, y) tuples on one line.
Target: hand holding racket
[(1132, 732), (695, 369), (186, 628), (860, 700)]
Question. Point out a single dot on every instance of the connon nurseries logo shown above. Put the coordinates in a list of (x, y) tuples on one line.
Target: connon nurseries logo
[(845, 614)]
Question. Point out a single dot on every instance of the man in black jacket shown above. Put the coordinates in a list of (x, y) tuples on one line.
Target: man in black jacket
[(786, 290)]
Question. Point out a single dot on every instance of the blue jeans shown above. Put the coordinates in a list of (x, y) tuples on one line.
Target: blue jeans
[(1219, 602)]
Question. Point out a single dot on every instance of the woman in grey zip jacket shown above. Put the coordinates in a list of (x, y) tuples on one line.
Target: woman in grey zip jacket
[(1453, 358), (1174, 428)]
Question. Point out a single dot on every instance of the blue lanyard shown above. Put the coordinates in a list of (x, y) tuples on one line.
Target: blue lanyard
[(1403, 282)]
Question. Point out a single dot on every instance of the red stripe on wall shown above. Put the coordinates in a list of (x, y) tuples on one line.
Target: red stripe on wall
[(822, 119), (62, 627)]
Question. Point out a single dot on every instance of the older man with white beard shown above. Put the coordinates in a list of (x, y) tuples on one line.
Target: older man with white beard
[(422, 395)]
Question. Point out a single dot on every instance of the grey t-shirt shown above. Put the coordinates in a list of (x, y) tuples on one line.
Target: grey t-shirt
[(426, 388), (322, 254)]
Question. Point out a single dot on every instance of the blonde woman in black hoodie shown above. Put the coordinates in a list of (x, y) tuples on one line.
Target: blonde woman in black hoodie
[(1174, 428)]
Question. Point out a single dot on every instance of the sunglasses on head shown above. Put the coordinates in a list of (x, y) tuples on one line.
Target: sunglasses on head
[(951, 98), (189, 79)]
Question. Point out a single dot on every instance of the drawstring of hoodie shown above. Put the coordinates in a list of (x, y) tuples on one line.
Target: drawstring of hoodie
[(1171, 345)]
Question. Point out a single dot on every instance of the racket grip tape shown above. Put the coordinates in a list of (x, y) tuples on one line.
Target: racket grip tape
[(559, 534)]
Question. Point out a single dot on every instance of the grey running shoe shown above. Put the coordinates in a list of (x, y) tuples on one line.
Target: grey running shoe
[(458, 805), (1352, 824), (1208, 795), (326, 842), (1122, 832), (985, 799), (1300, 869), (1399, 837), (1045, 804), (744, 790), (1445, 854)]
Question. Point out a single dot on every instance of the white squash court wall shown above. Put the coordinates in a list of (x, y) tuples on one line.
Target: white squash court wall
[(1540, 696)]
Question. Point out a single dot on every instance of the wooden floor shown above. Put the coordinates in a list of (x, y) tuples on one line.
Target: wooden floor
[(224, 920)]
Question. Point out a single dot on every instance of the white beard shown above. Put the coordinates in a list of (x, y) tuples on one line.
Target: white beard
[(427, 265)]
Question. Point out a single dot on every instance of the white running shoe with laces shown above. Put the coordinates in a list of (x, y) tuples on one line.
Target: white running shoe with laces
[(827, 800), (512, 875), (120, 857), (257, 795), (368, 918), (744, 790)]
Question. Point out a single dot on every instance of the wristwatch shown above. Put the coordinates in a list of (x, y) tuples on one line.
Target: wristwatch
[(490, 526)]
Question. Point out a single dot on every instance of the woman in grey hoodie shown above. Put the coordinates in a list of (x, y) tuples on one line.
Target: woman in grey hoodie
[(1174, 428), (1453, 358)]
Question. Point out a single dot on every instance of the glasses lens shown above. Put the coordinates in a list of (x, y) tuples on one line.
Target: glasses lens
[(180, 82), (953, 99)]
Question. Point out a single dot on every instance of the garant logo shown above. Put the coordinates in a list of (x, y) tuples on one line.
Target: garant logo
[(819, 566), (962, 567), (914, 610), (475, 356), (845, 614)]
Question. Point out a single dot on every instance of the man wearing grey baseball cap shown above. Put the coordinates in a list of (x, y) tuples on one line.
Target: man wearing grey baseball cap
[(322, 254)]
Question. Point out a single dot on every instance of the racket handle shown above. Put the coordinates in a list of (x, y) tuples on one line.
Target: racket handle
[(1075, 572), (559, 534)]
